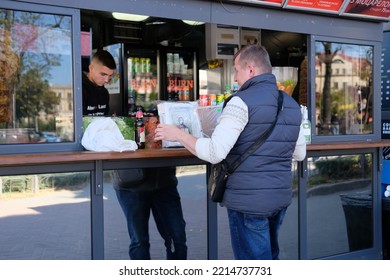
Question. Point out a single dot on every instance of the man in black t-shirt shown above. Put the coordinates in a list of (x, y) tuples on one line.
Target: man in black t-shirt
[(95, 95), (156, 191)]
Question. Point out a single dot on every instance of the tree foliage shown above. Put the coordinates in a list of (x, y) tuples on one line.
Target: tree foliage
[(327, 58), (29, 89), (34, 95)]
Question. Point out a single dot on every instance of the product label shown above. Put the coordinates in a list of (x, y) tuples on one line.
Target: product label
[(308, 139), (203, 100), (219, 99), (307, 131), (385, 129), (212, 100), (141, 132)]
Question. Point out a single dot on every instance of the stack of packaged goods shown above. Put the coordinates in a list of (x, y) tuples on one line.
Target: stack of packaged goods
[(218, 99)]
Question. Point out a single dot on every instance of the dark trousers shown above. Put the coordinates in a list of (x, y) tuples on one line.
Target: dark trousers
[(166, 208)]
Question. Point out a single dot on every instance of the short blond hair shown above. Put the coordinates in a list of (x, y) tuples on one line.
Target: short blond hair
[(256, 54)]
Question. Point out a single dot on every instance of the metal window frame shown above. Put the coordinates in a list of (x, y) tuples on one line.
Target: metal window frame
[(376, 134), (76, 65), (374, 252)]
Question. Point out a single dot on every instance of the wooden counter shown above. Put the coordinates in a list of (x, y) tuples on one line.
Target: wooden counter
[(176, 153), (83, 156), (347, 145)]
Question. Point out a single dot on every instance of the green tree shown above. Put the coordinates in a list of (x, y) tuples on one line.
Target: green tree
[(366, 74), (34, 96), (29, 89), (327, 58)]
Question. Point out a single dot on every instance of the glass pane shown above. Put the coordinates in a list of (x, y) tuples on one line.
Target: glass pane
[(344, 75), (225, 251), (288, 236), (45, 217), (142, 79), (339, 204), (36, 94), (192, 191)]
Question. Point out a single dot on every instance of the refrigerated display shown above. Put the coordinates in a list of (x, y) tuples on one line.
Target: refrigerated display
[(153, 74), (142, 82), (180, 73)]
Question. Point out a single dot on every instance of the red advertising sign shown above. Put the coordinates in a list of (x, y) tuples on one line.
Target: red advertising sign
[(331, 6), (368, 8), (277, 2), (261, 2), (375, 9)]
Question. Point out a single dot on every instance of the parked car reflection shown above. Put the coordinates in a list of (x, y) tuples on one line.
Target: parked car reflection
[(50, 137)]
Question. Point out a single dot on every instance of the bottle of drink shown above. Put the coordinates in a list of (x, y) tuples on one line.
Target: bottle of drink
[(139, 129), (131, 110), (235, 87), (227, 91), (306, 125)]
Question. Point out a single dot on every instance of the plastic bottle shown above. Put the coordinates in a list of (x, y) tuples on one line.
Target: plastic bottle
[(139, 129), (220, 98), (235, 87), (228, 91), (306, 125), (131, 108)]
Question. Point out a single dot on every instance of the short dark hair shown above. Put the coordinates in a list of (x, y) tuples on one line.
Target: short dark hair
[(105, 58)]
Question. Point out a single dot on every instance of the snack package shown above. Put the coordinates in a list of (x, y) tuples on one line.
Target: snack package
[(181, 114)]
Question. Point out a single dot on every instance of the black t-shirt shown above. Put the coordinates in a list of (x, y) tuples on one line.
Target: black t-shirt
[(95, 99)]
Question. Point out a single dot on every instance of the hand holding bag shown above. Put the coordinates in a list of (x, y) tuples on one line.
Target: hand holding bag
[(220, 172)]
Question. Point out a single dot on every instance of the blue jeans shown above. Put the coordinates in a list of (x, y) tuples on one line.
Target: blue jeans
[(167, 212), (255, 237)]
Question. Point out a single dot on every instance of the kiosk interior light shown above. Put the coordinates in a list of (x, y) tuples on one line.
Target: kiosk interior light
[(129, 17), (192, 22)]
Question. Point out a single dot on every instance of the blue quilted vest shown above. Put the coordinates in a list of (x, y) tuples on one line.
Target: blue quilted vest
[(262, 183)]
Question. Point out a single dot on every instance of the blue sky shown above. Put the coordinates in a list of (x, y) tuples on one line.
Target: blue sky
[(62, 75)]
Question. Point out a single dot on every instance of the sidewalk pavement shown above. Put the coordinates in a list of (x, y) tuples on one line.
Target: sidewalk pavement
[(56, 225)]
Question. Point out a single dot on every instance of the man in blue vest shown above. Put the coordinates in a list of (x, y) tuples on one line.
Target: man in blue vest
[(260, 189)]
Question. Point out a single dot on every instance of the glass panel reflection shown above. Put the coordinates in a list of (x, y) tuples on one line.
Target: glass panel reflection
[(288, 236), (192, 190), (36, 95), (45, 217), (339, 204), (344, 75)]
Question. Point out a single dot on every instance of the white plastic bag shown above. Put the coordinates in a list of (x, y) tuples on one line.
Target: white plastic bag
[(103, 135)]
